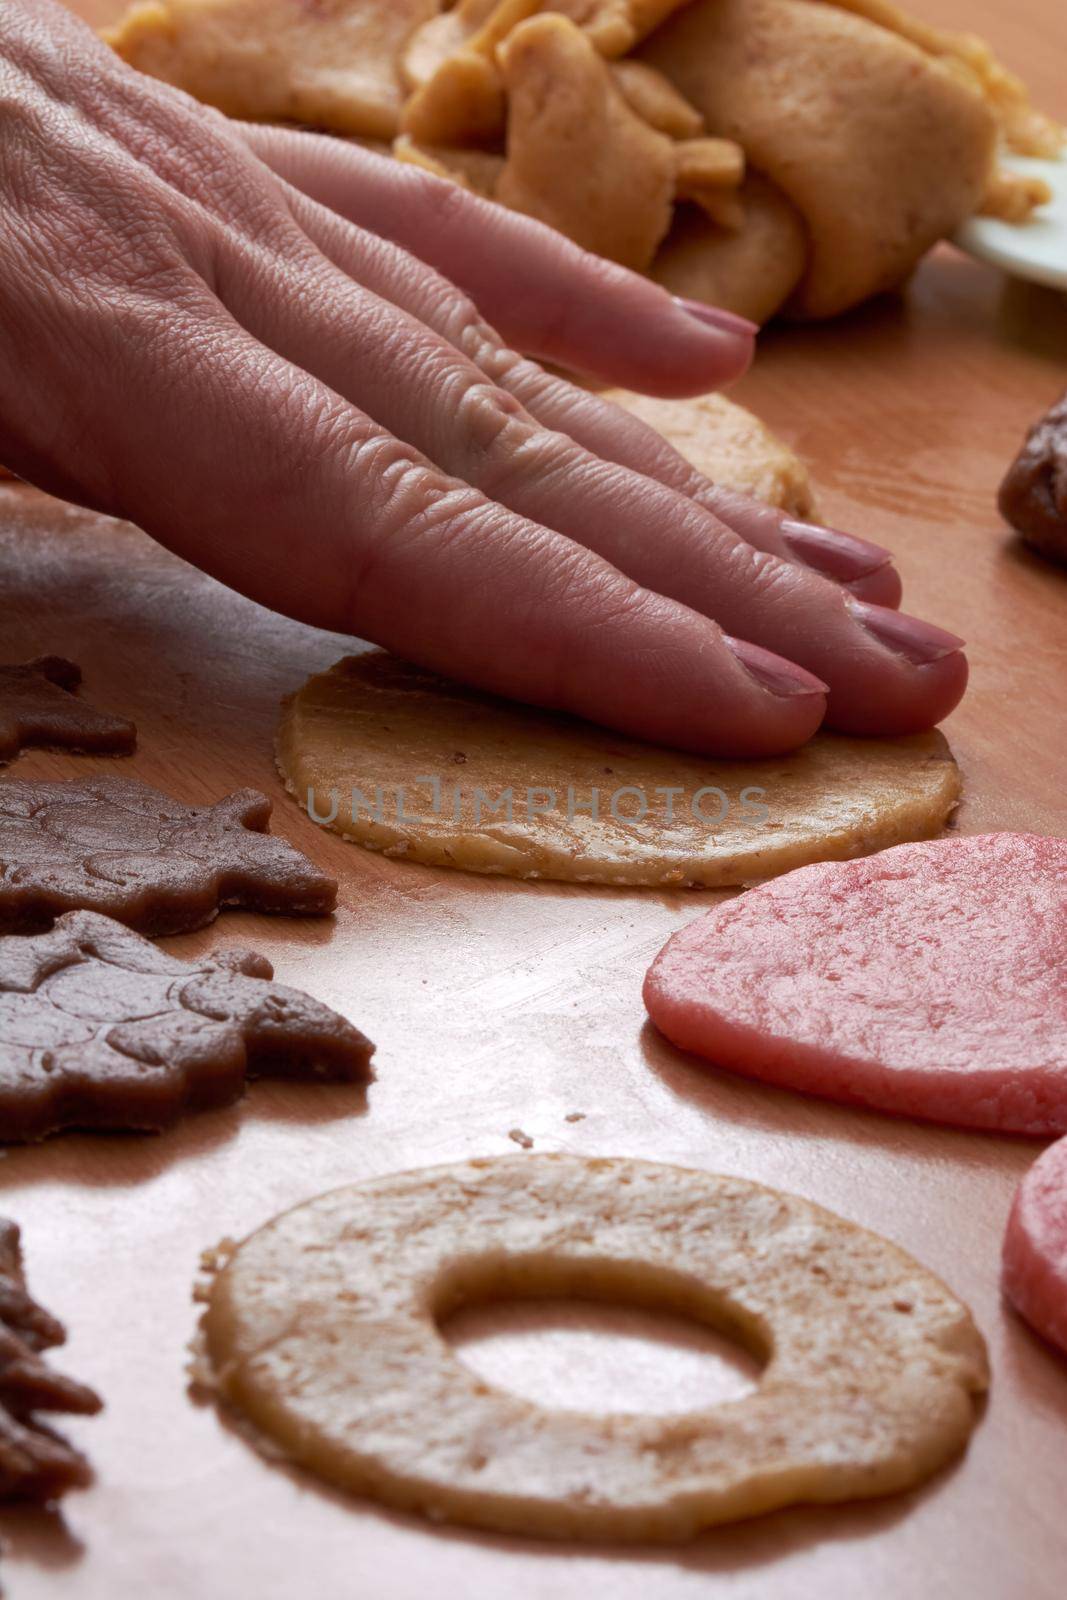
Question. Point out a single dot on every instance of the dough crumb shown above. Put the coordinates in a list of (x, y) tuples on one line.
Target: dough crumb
[(517, 1136)]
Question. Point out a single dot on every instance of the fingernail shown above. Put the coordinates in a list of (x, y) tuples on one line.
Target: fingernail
[(715, 317), (838, 555), (918, 642), (774, 672)]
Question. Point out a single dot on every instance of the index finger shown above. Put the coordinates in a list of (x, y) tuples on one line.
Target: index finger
[(544, 294)]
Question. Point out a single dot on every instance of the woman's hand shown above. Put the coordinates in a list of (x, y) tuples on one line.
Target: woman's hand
[(218, 332)]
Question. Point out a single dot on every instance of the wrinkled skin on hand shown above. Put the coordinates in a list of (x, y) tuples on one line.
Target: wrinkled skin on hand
[(218, 332)]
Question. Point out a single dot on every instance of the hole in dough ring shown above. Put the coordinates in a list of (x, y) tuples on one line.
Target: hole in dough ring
[(322, 1328)]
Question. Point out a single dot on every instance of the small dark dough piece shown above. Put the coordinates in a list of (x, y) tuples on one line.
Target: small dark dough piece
[(99, 1028), (1033, 496), (118, 847), (38, 706), (35, 1463)]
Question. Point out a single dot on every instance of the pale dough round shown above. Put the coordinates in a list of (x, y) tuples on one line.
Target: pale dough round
[(729, 445), (322, 1329), (407, 741)]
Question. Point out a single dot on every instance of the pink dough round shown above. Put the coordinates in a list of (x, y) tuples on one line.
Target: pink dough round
[(929, 980), (1035, 1246)]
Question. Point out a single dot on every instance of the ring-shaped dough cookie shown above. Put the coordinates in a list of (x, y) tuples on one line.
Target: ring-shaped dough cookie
[(323, 1329)]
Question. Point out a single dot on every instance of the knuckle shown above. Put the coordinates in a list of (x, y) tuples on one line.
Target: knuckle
[(479, 433), (509, 451), (466, 328), (488, 419), (410, 504), (750, 570), (502, 366)]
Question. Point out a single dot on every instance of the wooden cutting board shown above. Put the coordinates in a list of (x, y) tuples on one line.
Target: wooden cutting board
[(509, 1006)]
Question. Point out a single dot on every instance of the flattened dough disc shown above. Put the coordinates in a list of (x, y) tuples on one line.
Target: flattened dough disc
[(729, 445), (454, 778)]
